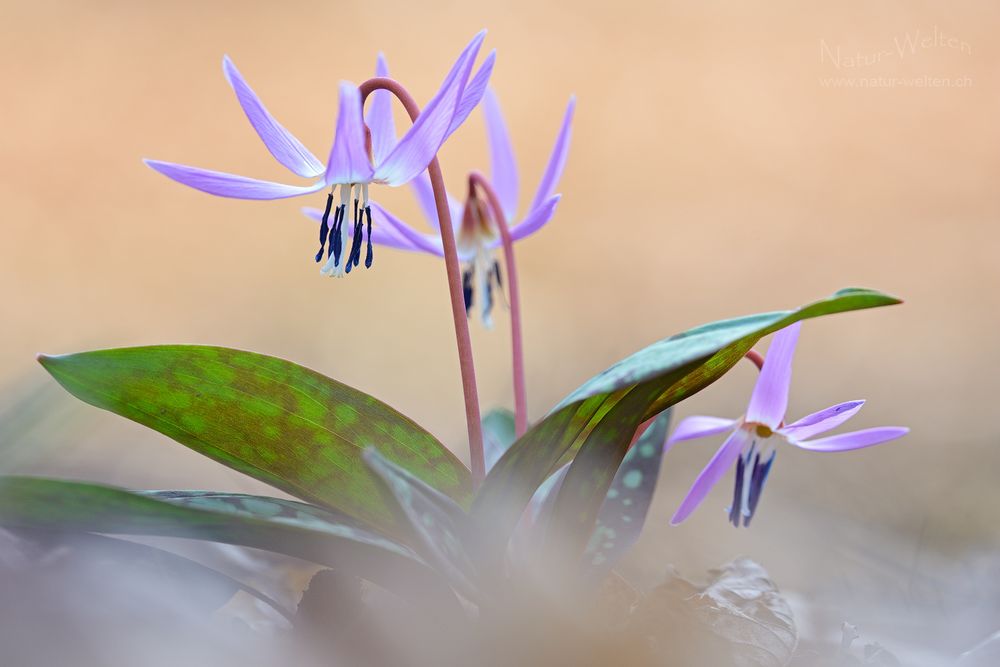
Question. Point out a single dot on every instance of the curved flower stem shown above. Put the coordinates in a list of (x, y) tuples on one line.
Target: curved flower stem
[(516, 340), (755, 357), (454, 271)]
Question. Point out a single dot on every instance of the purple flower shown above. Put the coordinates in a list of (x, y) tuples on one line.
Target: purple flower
[(476, 235), (353, 163), (750, 443)]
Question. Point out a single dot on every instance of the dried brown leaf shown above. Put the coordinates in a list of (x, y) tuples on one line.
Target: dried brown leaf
[(739, 618)]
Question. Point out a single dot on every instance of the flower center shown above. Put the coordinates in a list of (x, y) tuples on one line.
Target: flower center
[(337, 261), (481, 271)]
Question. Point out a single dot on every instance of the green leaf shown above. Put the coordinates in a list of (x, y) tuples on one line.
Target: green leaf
[(606, 410), (51, 504), (271, 419), (498, 434), (623, 512), (440, 526), (717, 346)]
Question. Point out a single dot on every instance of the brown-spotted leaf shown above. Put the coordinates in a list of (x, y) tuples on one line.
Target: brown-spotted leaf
[(279, 422)]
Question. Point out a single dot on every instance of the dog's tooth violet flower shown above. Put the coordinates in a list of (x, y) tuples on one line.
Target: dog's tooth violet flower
[(750, 444), (355, 161), (476, 232)]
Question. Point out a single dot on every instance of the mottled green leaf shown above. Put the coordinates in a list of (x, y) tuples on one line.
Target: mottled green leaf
[(498, 434), (52, 504), (271, 419), (440, 526), (623, 512), (606, 410)]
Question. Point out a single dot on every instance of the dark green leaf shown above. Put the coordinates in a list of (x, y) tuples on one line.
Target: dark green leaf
[(51, 504), (623, 512), (271, 419), (440, 526), (645, 384), (591, 472)]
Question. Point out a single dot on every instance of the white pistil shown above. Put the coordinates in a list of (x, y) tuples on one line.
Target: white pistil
[(333, 268), (482, 267)]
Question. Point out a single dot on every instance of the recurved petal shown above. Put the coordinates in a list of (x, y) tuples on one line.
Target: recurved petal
[(769, 399), (379, 119), (503, 166), (229, 185), (421, 142), (473, 92), (723, 460), (699, 427), (537, 219), (349, 161), (822, 421), (285, 148), (853, 440), (400, 235), (557, 161)]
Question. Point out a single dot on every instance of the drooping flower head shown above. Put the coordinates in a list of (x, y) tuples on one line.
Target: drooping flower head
[(476, 232), (356, 159), (751, 440)]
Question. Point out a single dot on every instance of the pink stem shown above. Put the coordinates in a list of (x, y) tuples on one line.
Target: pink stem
[(516, 340), (756, 358), (454, 271)]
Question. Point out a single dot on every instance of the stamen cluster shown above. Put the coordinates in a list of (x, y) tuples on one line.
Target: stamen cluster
[(338, 233)]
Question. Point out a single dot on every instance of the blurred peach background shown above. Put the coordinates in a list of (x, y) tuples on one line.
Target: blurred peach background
[(717, 169)]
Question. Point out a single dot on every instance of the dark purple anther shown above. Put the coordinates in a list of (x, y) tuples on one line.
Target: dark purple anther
[(324, 226), (369, 255)]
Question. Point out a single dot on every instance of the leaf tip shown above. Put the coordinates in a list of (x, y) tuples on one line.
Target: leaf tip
[(888, 299)]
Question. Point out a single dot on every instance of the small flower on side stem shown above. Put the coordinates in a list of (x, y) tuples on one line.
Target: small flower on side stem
[(750, 445), (481, 274), (356, 159)]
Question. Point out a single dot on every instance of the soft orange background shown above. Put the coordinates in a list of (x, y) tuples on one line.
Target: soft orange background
[(712, 174)]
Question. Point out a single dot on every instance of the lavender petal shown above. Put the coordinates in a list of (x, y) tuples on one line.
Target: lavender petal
[(557, 161), (285, 148), (503, 166), (229, 185), (769, 400)]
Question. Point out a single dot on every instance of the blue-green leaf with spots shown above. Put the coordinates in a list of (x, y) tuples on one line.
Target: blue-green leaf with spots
[(623, 512)]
